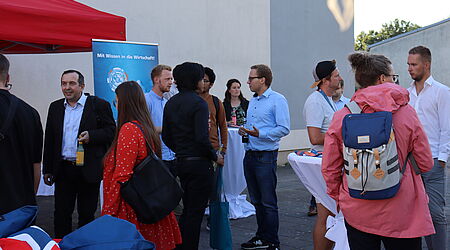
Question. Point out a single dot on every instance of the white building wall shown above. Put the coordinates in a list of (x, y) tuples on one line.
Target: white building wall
[(436, 38), (227, 35)]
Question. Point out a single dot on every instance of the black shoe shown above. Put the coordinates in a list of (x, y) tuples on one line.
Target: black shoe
[(312, 211), (255, 243)]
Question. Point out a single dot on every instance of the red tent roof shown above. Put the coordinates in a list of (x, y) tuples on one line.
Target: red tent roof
[(53, 26)]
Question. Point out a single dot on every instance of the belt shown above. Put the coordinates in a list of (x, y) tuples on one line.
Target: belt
[(69, 163), (193, 158)]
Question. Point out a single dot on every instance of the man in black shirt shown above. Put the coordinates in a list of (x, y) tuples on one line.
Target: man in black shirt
[(20, 147), (185, 131)]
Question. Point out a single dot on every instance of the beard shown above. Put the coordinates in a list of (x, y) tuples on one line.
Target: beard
[(418, 78)]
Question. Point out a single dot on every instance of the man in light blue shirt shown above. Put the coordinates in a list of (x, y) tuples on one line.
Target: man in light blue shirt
[(338, 97), (162, 81), (267, 122)]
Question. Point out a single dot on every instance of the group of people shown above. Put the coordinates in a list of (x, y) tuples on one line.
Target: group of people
[(421, 121), (186, 127)]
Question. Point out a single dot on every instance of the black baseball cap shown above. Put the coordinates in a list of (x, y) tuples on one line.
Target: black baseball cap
[(322, 70)]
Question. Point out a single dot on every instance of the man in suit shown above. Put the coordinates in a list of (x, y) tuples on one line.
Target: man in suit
[(73, 119)]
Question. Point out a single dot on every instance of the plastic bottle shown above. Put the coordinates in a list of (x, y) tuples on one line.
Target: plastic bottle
[(80, 154), (233, 117)]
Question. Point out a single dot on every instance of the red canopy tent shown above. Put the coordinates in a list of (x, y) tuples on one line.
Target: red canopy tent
[(54, 26)]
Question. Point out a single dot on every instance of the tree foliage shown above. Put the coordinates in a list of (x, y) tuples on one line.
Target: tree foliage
[(388, 30)]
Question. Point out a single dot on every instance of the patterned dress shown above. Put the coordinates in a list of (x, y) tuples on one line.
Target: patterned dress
[(131, 150)]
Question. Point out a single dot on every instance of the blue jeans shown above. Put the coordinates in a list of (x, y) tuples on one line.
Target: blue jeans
[(434, 182), (260, 173)]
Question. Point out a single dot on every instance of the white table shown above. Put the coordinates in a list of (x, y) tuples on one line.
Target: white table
[(309, 170), (233, 177)]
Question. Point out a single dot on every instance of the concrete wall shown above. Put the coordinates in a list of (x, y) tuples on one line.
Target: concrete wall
[(302, 34), (227, 35), (436, 38)]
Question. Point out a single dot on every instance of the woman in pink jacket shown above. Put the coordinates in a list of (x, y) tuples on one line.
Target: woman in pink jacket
[(401, 221)]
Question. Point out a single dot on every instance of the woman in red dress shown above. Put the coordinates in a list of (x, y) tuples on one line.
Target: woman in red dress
[(127, 150)]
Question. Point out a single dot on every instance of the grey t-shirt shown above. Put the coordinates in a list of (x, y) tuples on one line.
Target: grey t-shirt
[(318, 113)]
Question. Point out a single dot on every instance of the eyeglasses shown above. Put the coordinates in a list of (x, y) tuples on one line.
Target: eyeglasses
[(254, 77), (394, 78)]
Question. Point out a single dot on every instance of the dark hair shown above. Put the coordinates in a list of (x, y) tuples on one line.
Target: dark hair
[(156, 71), (263, 71), (423, 51), (4, 67), (227, 92), (368, 67), (210, 73), (187, 75), (132, 107), (80, 76)]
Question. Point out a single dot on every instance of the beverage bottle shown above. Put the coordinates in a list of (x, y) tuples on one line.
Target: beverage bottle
[(80, 154), (233, 118), (245, 137)]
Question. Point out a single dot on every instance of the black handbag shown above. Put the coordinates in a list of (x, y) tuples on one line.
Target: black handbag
[(152, 191)]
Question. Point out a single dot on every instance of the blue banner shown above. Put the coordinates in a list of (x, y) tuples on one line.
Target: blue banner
[(117, 61)]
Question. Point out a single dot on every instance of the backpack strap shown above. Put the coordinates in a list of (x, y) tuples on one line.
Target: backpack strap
[(9, 117), (413, 162), (217, 106), (353, 107)]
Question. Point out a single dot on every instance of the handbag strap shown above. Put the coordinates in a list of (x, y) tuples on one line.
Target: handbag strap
[(9, 117), (219, 185), (147, 143)]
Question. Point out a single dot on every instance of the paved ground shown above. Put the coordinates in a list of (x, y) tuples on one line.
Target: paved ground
[(293, 200)]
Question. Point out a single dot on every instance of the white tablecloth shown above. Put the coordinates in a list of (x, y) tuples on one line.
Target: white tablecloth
[(308, 169), (233, 177)]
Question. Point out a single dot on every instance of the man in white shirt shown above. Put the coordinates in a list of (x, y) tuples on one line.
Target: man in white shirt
[(431, 100), (318, 111)]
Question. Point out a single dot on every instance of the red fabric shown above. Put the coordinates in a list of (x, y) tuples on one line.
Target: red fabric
[(64, 23), (406, 215), (131, 150), (13, 244)]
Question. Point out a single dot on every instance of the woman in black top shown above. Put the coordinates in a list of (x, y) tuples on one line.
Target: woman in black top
[(235, 103)]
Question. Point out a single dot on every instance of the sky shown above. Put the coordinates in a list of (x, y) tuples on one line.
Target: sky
[(371, 14)]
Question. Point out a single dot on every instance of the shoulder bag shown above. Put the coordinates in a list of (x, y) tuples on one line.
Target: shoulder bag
[(152, 191)]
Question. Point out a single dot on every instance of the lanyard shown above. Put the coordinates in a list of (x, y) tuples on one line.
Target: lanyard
[(328, 100)]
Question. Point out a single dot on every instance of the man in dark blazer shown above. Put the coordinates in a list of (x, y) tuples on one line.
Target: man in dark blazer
[(73, 119)]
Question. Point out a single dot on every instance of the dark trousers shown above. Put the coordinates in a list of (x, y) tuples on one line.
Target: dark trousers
[(171, 165), (70, 187), (359, 240), (196, 181), (260, 173)]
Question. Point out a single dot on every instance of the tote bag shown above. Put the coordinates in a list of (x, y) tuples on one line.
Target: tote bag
[(220, 234)]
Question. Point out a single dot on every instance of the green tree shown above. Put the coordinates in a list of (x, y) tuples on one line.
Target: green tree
[(388, 30)]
